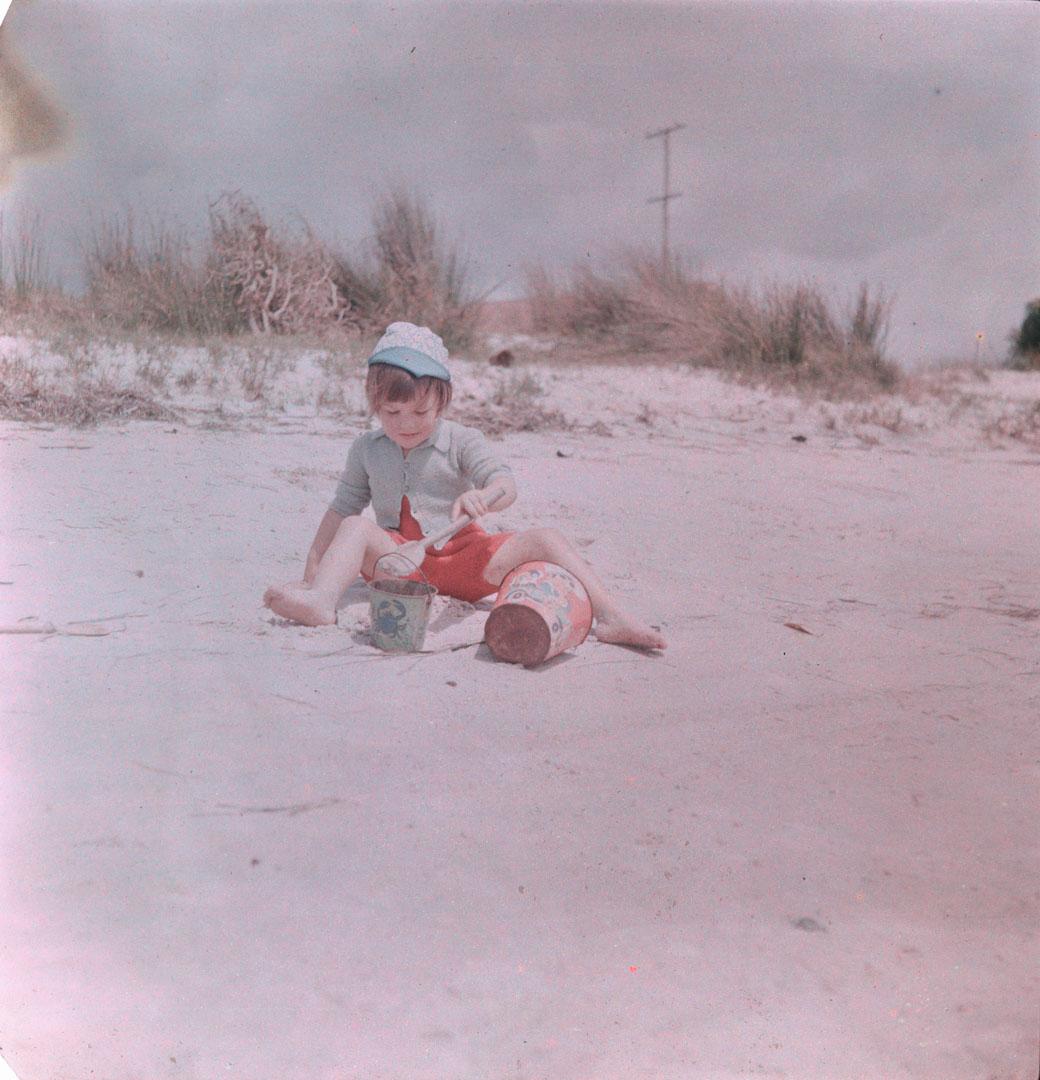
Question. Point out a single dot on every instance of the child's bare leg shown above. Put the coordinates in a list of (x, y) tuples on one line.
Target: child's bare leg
[(357, 544), (612, 623)]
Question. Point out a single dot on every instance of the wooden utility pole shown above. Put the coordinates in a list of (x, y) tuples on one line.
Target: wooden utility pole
[(666, 196)]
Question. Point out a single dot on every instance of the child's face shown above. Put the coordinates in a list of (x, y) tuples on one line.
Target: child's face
[(409, 423)]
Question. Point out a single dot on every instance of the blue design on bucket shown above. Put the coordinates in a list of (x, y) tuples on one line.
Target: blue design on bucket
[(399, 609), (391, 619)]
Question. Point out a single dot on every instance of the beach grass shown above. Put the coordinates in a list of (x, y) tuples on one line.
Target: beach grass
[(267, 315)]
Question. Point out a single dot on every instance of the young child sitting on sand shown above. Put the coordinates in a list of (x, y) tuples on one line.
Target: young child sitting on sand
[(421, 472)]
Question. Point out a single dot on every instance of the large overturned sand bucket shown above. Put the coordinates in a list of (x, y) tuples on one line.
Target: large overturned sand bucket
[(541, 610), (400, 610)]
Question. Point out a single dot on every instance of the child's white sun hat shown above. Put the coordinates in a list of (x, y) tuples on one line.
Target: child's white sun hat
[(416, 349)]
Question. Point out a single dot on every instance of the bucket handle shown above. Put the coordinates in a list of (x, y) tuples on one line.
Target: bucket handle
[(387, 574)]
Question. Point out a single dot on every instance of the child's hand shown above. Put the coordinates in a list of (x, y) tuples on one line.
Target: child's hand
[(475, 503)]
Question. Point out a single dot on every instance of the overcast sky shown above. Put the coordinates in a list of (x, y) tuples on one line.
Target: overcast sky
[(897, 143)]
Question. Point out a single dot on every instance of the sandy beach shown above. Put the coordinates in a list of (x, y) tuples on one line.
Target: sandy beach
[(746, 294), (799, 843)]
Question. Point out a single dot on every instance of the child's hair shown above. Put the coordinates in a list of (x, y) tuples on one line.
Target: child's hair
[(388, 383)]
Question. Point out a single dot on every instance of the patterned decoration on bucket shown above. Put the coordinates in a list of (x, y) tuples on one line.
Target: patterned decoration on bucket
[(399, 610), (541, 610)]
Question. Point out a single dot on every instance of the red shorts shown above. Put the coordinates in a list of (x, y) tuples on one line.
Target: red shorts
[(457, 568)]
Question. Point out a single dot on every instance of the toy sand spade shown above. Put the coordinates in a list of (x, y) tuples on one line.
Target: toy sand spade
[(541, 610), (400, 597)]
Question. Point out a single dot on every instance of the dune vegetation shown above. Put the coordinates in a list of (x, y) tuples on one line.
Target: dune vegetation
[(163, 320)]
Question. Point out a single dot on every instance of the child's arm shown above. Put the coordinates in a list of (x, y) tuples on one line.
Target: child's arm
[(483, 468), (322, 538)]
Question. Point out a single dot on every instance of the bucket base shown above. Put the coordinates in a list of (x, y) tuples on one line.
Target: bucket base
[(517, 634)]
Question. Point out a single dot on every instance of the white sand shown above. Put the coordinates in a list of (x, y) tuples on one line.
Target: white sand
[(232, 847)]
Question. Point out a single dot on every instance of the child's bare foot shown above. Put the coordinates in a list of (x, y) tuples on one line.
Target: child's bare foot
[(618, 628), (301, 604)]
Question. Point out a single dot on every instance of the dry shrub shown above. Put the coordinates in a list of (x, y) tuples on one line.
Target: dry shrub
[(41, 311), (1022, 424), (270, 280), (789, 334), (783, 333), (520, 389), (26, 395), (883, 415), (29, 300), (515, 404), (22, 261), (590, 304), (545, 300), (257, 366), (252, 275), (152, 284), (278, 283), (410, 273), (531, 416)]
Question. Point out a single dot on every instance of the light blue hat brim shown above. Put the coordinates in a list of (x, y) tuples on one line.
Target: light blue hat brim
[(411, 360)]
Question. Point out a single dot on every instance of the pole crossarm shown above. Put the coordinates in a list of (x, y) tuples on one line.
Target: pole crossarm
[(665, 131)]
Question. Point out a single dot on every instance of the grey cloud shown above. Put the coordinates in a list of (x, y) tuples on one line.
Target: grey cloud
[(814, 130)]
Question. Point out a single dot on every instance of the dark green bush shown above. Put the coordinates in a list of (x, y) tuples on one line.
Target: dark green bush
[(1025, 345)]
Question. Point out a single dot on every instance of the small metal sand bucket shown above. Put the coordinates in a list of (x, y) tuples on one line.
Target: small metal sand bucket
[(400, 609), (541, 609)]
